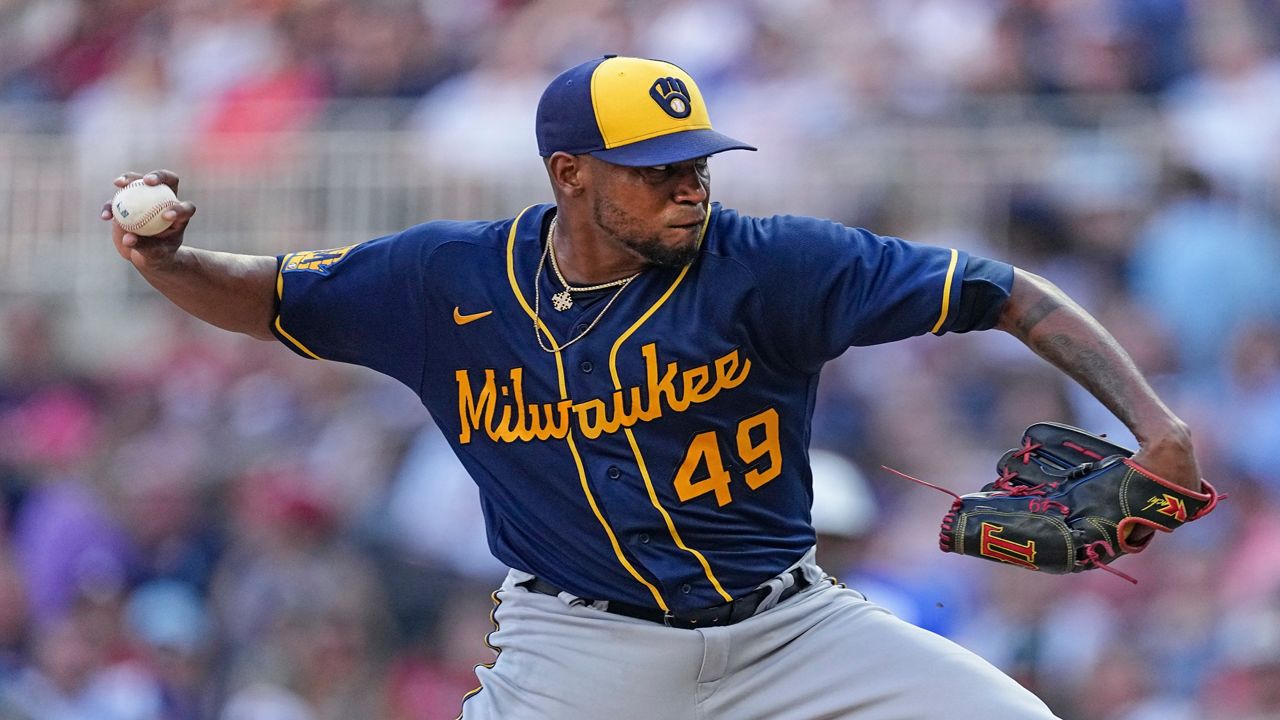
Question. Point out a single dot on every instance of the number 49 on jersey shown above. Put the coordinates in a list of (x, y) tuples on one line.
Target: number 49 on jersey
[(758, 448)]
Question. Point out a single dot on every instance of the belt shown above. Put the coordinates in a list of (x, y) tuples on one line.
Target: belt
[(723, 614)]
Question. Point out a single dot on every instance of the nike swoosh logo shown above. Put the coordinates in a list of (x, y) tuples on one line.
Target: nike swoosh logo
[(461, 319)]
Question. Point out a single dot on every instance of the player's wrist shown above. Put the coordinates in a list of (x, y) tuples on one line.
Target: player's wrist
[(1154, 423), (1169, 454), (1168, 435), (159, 260)]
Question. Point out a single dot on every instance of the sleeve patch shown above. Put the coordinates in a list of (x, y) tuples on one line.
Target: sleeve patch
[(316, 261)]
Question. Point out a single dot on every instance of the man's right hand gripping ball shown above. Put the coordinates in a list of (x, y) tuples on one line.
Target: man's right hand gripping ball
[(151, 252), (1066, 501)]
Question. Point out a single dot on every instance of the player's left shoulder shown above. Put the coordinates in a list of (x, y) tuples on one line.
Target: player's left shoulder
[(732, 234), (785, 239)]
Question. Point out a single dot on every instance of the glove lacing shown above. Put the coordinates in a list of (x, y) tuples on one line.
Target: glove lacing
[(1094, 552), (1093, 558)]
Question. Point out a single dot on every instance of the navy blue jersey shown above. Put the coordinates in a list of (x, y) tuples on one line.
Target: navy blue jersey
[(662, 459)]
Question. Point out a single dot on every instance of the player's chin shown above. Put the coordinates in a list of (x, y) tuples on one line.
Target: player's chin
[(679, 245), (667, 249)]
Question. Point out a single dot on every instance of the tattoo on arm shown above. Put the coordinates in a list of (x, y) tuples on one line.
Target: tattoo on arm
[(1091, 369), (1033, 316), (1051, 324)]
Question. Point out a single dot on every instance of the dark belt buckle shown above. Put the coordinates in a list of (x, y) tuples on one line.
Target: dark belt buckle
[(706, 617), (692, 621)]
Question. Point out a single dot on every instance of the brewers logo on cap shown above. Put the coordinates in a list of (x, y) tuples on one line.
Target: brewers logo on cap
[(672, 96)]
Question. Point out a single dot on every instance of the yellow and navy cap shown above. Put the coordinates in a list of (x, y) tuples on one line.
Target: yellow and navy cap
[(628, 111)]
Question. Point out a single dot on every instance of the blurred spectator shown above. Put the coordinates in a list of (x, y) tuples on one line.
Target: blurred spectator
[(455, 541), (68, 548), (1092, 51), (848, 519), (1223, 119), (1251, 434), (1247, 688), (433, 534), (1207, 267), (81, 42), (937, 46), (430, 679), (72, 678), (13, 616), (29, 353), (316, 602), (1123, 687), (215, 46), (386, 51), (1161, 42), (173, 632), (131, 103), (844, 509), (261, 701), (677, 29), (453, 131), (252, 122), (27, 31), (159, 503)]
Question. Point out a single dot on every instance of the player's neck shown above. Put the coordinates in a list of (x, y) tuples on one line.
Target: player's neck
[(585, 259)]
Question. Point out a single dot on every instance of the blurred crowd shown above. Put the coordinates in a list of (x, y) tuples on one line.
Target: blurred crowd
[(217, 529), (233, 76)]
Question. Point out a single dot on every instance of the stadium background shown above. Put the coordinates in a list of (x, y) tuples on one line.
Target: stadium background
[(195, 525)]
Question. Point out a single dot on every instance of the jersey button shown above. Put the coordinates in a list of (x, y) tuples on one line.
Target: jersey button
[(643, 538), (580, 328), (586, 366), (614, 472), (686, 588)]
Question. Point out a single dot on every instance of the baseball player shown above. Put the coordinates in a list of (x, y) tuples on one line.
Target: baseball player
[(629, 374)]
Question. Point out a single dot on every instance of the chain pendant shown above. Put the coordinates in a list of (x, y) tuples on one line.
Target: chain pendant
[(562, 300)]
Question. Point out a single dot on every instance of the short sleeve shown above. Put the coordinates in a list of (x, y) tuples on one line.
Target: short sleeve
[(986, 287), (361, 304), (830, 287)]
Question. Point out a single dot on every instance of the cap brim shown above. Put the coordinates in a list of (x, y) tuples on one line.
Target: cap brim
[(673, 148)]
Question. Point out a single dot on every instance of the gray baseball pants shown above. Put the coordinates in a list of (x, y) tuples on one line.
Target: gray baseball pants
[(824, 654)]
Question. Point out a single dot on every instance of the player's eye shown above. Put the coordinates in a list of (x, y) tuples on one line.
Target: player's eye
[(655, 174)]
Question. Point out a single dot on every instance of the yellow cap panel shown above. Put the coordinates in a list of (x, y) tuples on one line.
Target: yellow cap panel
[(637, 99)]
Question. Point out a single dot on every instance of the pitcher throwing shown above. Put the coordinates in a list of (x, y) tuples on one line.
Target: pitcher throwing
[(628, 374)]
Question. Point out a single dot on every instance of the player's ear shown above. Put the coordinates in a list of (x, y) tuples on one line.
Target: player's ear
[(567, 173)]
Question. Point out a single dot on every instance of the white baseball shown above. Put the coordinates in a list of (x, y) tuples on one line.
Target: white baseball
[(137, 207)]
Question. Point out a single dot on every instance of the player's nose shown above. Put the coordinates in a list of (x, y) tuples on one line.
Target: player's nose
[(691, 186)]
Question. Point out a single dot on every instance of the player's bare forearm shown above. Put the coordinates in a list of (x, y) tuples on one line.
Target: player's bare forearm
[(233, 292), (1050, 323)]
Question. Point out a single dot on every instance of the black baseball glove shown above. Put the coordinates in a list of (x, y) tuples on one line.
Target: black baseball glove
[(1066, 501)]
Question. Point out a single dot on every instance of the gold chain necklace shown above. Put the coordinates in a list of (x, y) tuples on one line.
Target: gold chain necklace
[(537, 298), (562, 300)]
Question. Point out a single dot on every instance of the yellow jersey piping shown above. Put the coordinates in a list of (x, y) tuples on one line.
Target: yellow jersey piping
[(493, 619), (280, 297), (946, 291), (564, 395), (635, 447)]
